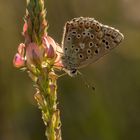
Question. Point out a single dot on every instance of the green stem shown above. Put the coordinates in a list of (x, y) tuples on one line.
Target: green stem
[(46, 97)]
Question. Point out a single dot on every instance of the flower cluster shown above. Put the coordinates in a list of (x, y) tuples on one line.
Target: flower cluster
[(34, 56)]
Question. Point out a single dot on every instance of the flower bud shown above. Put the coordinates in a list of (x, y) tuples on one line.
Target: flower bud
[(18, 61), (51, 52)]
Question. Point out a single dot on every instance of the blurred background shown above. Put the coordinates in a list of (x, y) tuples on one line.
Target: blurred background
[(111, 112)]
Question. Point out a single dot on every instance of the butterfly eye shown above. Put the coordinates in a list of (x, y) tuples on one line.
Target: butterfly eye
[(73, 72)]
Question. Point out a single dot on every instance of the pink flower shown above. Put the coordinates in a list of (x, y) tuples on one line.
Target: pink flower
[(38, 56), (34, 54), (18, 61), (50, 47), (53, 50)]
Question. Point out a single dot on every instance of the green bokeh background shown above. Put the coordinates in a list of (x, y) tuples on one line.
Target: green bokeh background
[(112, 112)]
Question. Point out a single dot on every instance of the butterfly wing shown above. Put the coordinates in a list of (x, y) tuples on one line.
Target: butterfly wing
[(85, 40)]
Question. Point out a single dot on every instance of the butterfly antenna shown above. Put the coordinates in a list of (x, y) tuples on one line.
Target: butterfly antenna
[(86, 81)]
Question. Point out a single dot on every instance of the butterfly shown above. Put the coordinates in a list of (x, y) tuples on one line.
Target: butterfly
[(85, 40)]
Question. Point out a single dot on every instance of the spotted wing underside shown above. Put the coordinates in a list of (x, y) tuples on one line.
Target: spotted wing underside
[(85, 40)]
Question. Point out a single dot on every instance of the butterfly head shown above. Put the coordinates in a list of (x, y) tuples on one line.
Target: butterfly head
[(72, 72)]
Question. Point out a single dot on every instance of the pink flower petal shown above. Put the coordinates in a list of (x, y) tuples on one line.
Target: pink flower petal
[(21, 49), (51, 53), (25, 27), (45, 42), (34, 54), (52, 48), (51, 42)]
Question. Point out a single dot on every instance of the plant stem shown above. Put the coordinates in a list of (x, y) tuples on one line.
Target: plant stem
[(46, 97)]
